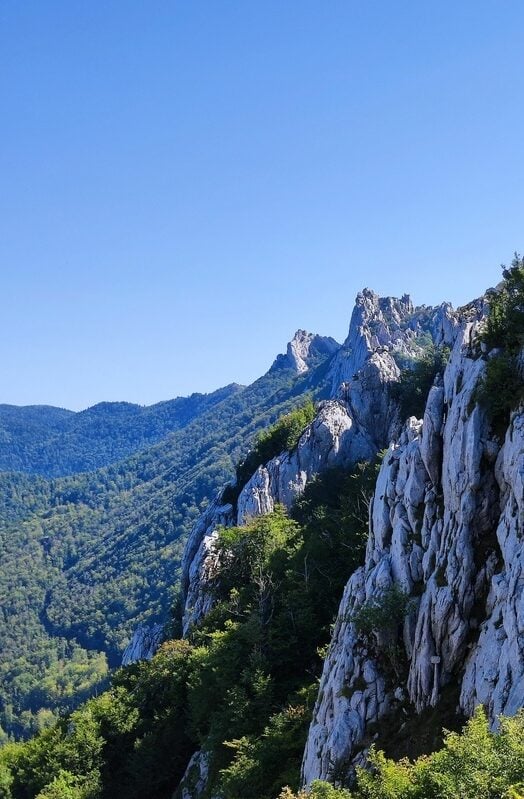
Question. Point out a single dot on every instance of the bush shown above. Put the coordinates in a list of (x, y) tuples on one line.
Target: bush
[(378, 621), (281, 437), (411, 392), (475, 764), (318, 790), (383, 613), (502, 388), (505, 324)]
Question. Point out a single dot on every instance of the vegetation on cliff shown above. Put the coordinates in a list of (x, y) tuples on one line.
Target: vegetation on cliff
[(475, 764), (502, 388), (237, 688)]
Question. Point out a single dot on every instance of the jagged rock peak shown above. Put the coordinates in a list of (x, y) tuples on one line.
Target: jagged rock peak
[(389, 325), (304, 350), (378, 321)]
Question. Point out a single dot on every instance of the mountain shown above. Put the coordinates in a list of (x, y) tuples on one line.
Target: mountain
[(358, 583), (428, 625), (53, 442), (85, 558)]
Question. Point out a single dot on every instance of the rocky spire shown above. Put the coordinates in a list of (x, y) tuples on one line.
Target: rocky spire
[(304, 350)]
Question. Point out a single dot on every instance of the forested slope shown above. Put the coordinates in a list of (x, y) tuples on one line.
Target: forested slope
[(85, 558), (54, 442)]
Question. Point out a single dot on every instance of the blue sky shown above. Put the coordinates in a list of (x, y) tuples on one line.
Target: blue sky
[(183, 184)]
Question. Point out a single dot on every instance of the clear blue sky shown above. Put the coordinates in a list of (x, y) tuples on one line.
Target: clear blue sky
[(183, 184)]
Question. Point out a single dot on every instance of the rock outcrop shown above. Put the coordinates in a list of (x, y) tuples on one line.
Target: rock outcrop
[(446, 526), (200, 562), (388, 325), (445, 533), (494, 673), (332, 439), (304, 351), (194, 782), (144, 643)]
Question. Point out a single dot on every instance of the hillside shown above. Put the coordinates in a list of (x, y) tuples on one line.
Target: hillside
[(54, 442), (86, 558), (353, 594)]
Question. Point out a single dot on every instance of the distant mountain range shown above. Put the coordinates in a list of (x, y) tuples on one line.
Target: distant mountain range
[(54, 442)]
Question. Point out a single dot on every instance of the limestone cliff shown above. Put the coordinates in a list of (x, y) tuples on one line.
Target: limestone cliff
[(445, 531), (446, 527), (144, 643), (304, 350)]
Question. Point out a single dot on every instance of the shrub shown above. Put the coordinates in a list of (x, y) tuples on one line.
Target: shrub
[(505, 324), (502, 387), (263, 763), (475, 764), (383, 613), (318, 790), (377, 621), (282, 436), (411, 392)]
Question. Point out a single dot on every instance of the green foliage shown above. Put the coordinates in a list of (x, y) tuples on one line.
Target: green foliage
[(502, 388), (278, 590), (378, 621), (87, 557), (476, 764), (505, 323), (318, 790), (412, 390), (282, 436), (262, 763), (382, 613), (238, 688), (129, 741), (54, 442)]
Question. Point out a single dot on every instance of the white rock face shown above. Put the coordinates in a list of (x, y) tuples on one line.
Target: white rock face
[(495, 667), (144, 643), (388, 324), (360, 420), (446, 525), (194, 781), (200, 562), (303, 351), (331, 440)]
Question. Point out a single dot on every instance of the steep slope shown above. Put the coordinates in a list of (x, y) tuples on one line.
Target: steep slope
[(384, 332), (54, 442), (86, 558), (429, 622), (360, 420), (434, 618)]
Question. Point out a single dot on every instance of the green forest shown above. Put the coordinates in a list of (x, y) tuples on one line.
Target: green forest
[(87, 557), (235, 687)]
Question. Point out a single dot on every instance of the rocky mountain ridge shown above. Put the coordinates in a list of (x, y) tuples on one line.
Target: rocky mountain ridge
[(445, 531), (445, 525), (359, 420), (388, 479)]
